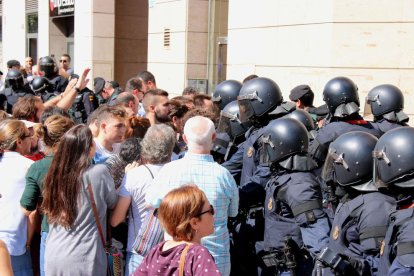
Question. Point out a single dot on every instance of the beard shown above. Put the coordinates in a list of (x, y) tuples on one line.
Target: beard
[(161, 118)]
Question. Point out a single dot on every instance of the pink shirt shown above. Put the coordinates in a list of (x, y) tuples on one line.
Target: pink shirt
[(198, 261)]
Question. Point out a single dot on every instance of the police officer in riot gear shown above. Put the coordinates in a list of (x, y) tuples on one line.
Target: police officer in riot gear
[(43, 88), (15, 88), (50, 69), (231, 125), (361, 217), (260, 101), (386, 103), (296, 227), (84, 104), (393, 173), (306, 119), (341, 97), (226, 92)]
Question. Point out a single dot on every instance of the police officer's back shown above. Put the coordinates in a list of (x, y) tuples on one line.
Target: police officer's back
[(361, 218), (386, 103), (296, 227), (394, 167)]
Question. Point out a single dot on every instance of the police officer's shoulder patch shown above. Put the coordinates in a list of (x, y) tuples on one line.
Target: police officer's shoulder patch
[(335, 232), (250, 152), (270, 204)]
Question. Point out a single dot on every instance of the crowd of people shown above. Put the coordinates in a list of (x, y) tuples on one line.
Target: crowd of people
[(241, 182)]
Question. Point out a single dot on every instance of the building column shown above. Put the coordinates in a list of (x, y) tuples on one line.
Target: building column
[(94, 38), (14, 31), (43, 48)]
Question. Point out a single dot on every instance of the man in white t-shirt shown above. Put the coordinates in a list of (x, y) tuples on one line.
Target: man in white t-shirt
[(111, 123)]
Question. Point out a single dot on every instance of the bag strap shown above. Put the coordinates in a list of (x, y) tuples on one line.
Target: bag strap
[(182, 260), (149, 171), (130, 206), (95, 210)]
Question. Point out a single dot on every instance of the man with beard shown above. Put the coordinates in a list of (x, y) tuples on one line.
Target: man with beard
[(156, 106)]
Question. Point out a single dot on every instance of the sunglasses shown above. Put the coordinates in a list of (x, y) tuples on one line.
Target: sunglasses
[(62, 60), (211, 211)]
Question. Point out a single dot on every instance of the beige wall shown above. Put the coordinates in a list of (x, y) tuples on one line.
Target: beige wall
[(131, 38), (186, 57), (312, 41)]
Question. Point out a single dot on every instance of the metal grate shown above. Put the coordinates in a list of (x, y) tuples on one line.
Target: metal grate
[(167, 37), (31, 6)]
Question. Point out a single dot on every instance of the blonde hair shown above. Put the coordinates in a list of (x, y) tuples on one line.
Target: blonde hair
[(177, 209), (53, 129), (10, 131)]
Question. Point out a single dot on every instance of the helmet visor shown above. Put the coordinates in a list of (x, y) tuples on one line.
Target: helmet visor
[(224, 124), (367, 109), (332, 159), (246, 110)]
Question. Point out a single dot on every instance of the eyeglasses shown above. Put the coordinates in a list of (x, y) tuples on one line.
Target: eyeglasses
[(211, 211), (62, 60)]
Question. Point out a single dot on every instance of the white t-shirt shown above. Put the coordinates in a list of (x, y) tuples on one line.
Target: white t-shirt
[(135, 185), (13, 223), (102, 153)]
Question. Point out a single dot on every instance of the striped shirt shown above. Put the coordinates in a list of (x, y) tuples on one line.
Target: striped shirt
[(218, 185)]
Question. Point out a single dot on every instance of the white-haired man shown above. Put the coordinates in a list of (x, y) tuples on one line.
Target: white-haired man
[(199, 168)]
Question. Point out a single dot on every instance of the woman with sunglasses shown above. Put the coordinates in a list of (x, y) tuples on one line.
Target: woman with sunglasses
[(187, 216), (15, 141)]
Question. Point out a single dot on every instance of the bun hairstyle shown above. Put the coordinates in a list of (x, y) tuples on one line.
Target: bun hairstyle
[(53, 129)]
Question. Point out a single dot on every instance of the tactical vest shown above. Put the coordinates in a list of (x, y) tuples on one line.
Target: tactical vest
[(399, 241), (369, 214), (14, 95), (293, 200), (58, 83)]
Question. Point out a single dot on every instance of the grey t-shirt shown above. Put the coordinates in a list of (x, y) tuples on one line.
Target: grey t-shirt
[(79, 250)]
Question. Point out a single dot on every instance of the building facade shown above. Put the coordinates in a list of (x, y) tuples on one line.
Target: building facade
[(202, 42)]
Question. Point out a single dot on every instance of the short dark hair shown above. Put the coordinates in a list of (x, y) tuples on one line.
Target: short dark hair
[(150, 97), (12, 63), (68, 56), (250, 77), (53, 110), (146, 76), (130, 150), (199, 99), (189, 90), (133, 83)]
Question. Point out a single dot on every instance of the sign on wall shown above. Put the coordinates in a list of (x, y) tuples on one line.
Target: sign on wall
[(60, 8)]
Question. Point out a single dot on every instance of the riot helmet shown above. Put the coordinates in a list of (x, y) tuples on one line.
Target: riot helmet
[(221, 143), (48, 66), (14, 79), (230, 121), (393, 158), (226, 92), (302, 116), (41, 85), (349, 161), (257, 97), (341, 96), (282, 138), (383, 100)]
